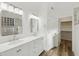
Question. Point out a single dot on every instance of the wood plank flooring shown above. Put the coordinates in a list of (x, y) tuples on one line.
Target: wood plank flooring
[(65, 49)]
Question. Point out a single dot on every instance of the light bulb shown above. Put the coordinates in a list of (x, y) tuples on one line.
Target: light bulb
[(21, 12), (11, 8), (33, 16), (4, 6), (16, 10)]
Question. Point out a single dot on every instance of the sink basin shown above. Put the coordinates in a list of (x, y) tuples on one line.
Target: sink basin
[(15, 42)]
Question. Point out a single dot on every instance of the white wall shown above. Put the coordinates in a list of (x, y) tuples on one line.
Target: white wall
[(75, 37), (52, 21), (52, 26), (64, 9), (43, 17), (76, 40)]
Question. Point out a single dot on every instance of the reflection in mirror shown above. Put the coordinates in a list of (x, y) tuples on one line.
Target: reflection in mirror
[(34, 25), (11, 23), (11, 19)]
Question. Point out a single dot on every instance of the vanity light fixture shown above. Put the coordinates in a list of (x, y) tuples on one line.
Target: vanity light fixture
[(11, 19), (33, 16), (11, 8), (4, 6), (21, 12), (16, 10)]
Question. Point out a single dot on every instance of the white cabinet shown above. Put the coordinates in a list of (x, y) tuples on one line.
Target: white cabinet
[(11, 52), (56, 40), (25, 49), (38, 46), (32, 48), (17, 51)]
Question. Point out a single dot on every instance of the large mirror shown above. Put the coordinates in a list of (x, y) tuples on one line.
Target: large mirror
[(11, 23), (34, 24)]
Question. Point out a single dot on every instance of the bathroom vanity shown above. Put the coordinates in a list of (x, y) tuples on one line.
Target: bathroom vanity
[(30, 46), (11, 25)]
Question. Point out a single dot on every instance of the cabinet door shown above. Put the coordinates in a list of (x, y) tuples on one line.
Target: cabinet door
[(56, 41), (38, 46), (33, 48), (11, 52), (27, 49), (17, 51)]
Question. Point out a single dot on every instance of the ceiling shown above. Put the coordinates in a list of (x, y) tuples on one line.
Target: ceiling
[(61, 9), (64, 9)]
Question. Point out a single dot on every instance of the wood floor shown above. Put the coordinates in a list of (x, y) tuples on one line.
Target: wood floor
[(65, 49)]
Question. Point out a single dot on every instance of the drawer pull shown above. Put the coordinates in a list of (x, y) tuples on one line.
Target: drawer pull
[(18, 50)]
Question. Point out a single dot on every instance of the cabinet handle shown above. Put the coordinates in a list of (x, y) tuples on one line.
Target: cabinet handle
[(18, 50)]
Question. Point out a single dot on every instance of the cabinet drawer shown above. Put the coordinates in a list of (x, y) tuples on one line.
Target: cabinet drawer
[(27, 49), (12, 52)]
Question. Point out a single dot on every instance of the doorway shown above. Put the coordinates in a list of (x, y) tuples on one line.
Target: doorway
[(65, 45), (66, 36)]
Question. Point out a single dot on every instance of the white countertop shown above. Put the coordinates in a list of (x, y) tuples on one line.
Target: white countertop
[(9, 45)]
